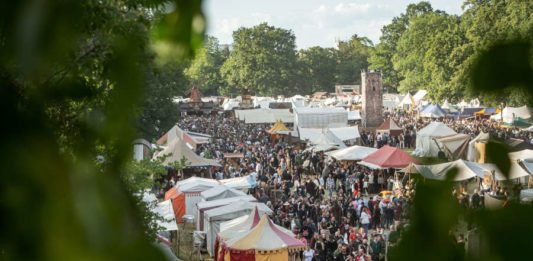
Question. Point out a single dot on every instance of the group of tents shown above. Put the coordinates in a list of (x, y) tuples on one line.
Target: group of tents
[(235, 224)]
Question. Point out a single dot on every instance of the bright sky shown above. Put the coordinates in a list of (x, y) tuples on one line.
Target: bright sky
[(314, 22)]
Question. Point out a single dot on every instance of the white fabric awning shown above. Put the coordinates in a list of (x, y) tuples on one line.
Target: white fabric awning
[(351, 153)]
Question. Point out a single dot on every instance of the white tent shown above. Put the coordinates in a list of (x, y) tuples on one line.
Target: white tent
[(264, 115), (474, 153), (346, 133), (425, 143), (327, 141), (351, 153), (515, 172), (521, 155), (162, 209), (511, 113), (240, 183), (407, 101), (419, 96), (178, 150), (320, 117), (214, 217), (334, 134), (465, 170), (204, 206), (230, 104), (354, 115), (220, 192)]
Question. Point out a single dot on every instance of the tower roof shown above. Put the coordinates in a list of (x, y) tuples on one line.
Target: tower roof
[(195, 94)]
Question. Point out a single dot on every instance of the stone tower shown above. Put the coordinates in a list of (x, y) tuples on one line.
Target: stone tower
[(372, 105)]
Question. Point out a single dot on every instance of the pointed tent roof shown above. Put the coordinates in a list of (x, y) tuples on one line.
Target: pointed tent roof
[(239, 226), (351, 153), (407, 100), (178, 150), (387, 157), (327, 141), (436, 129), (465, 170), (278, 126), (389, 124), (432, 111), (265, 236), (521, 155)]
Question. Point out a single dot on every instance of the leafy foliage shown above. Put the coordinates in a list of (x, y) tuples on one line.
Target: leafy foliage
[(71, 76), (204, 70), (263, 60), (352, 57)]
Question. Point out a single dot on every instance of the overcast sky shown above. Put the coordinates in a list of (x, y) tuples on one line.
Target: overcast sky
[(314, 22)]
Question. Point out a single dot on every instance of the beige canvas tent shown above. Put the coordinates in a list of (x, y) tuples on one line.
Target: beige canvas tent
[(455, 146), (178, 150)]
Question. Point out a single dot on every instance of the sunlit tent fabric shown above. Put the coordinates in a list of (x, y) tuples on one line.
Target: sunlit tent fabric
[(204, 206), (390, 127), (354, 115), (214, 217), (419, 96), (313, 135), (264, 115), (230, 104), (476, 153), (516, 171), (410, 169), (432, 111), (465, 170), (345, 133), (238, 227), (220, 192), (178, 150), (387, 157), (327, 141), (352, 153), (186, 194), (320, 117), (266, 241), (528, 165), (278, 126), (510, 113), (425, 143), (234, 228), (521, 155), (407, 100), (162, 209), (192, 139), (455, 146), (241, 183)]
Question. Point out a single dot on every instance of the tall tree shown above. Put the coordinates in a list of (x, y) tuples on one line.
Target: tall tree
[(263, 60), (423, 54), (352, 57), (158, 112), (487, 23), (204, 70), (381, 56), (318, 67)]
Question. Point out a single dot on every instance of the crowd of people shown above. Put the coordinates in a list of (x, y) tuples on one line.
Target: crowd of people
[(342, 211)]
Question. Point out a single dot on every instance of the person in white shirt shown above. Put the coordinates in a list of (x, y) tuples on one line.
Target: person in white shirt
[(309, 254)]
